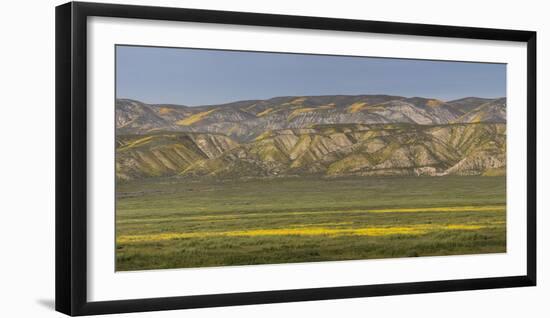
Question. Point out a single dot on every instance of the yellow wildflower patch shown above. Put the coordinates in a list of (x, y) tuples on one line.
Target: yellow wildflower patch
[(418, 229), (295, 102), (355, 107), (463, 227), (248, 107), (434, 103), (137, 142), (263, 135), (165, 110), (195, 118), (265, 112)]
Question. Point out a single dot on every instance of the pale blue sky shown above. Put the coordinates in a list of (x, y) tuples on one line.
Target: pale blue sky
[(200, 77)]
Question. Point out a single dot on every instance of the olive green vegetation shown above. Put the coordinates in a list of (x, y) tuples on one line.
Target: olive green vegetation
[(334, 150), (150, 208)]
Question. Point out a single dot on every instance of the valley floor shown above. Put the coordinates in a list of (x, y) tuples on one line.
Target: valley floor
[(178, 223)]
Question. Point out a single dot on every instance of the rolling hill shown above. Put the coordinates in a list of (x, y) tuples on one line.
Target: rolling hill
[(246, 120), (323, 135)]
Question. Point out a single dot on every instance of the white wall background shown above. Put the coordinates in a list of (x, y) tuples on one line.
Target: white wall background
[(27, 158)]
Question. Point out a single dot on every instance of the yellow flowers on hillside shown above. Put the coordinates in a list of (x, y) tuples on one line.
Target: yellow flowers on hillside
[(265, 112), (165, 110), (195, 118), (355, 107), (434, 103), (137, 142)]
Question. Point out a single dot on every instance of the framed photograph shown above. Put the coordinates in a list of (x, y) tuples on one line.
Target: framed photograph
[(209, 158)]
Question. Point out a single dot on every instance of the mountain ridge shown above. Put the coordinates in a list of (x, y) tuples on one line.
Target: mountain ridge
[(244, 120), (331, 135)]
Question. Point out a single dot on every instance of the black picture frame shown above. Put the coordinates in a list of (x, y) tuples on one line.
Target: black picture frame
[(71, 157)]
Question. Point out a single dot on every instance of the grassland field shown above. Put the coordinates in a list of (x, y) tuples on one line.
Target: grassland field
[(178, 223)]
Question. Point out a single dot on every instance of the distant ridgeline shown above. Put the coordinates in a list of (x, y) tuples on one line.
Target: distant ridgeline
[(336, 135)]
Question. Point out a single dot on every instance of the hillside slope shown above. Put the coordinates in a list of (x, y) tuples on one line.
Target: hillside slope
[(335, 135), (165, 154), (245, 120), (328, 150)]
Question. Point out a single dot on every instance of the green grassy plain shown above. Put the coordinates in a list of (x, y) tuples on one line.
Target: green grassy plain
[(177, 223)]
